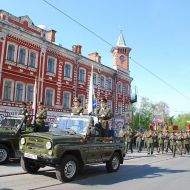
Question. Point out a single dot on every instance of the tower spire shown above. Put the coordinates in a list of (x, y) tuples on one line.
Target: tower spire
[(121, 40)]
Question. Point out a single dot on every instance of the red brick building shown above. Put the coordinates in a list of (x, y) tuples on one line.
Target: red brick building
[(28, 52)]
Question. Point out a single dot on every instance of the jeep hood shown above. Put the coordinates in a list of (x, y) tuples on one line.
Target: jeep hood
[(7, 131), (55, 135)]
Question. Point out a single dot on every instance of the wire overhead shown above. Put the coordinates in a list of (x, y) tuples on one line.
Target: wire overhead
[(105, 41)]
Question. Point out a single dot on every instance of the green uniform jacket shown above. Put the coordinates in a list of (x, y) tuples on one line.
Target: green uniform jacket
[(77, 110), (41, 116)]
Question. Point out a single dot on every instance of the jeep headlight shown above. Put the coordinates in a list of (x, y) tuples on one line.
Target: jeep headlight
[(48, 145), (22, 141)]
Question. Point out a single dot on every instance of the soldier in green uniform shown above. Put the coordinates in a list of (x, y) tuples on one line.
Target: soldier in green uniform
[(166, 141), (40, 118), (24, 112), (139, 141), (77, 109), (180, 142), (150, 142), (160, 142), (186, 142), (129, 139), (104, 114), (173, 143)]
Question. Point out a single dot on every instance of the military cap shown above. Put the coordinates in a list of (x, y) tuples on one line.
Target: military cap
[(24, 103), (77, 100), (103, 100)]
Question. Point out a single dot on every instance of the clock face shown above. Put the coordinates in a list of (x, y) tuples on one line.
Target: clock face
[(122, 58)]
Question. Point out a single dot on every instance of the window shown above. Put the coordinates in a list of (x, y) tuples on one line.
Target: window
[(120, 108), (94, 79), (82, 75), (109, 104), (68, 71), (119, 87), (19, 92), (11, 52), (22, 56), (126, 107), (51, 65), (49, 97), (7, 90), (82, 98), (66, 100), (29, 91), (126, 89), (102, 82), (109, 83), (32, 62)]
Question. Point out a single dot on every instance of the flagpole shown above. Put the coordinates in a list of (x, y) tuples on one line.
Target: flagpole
[(34, 105)]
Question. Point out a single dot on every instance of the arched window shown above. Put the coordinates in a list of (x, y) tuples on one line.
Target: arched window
[(119, 88), (49, 99), (102, 81), (66, 100), (19, 93), (11, 52), (82, 75)]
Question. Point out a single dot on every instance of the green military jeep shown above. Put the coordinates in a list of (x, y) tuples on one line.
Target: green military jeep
[(10, 131), (67, 147)]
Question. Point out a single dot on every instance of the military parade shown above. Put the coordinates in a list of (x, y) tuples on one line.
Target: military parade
[(74, 118)]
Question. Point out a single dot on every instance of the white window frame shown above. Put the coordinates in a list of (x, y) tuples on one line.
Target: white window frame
[(83, 98), (55, 65), (29, 84), (71, 73), (94, 73), (36, 62), (81, 68), (12, 89), (110, 105), (120, 105), (23, 93), (109, 78), (126, 85), (104, 81), (69, 99), (53, 97), (26, 55), (15, 53), (119, 83)]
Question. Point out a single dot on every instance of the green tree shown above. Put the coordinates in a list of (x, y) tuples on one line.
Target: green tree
[(181, 121)]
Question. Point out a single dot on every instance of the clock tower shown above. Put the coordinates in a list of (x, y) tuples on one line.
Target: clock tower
[(121, 55)]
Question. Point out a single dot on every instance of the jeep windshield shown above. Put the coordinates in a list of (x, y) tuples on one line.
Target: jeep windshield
[(11, 122), (71, 124)]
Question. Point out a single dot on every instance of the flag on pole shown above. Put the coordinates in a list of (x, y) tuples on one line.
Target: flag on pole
[(34, 105), (91, 97)]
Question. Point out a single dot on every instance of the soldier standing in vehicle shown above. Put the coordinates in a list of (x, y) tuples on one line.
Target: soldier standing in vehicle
[(104, 114), (24, 112), (77, 109), (40, 118)]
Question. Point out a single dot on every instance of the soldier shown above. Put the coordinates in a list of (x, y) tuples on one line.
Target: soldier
[(166, 141), (77, 109), (129, 139), (40, 118), (180, 142), (160, 142), (139, 141), (104, 114), (186, 142), (93, 130), (173, 143), (24, 112), (150, 142)]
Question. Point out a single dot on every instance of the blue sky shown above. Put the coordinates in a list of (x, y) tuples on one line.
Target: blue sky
[(158, 31)]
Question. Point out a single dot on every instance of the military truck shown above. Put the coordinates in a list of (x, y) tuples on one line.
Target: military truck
[(11, 129), (68, 147)]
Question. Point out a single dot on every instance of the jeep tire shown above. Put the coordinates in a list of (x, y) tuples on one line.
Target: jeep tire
[(68, 169), (113, 164), (29, 166), (4, 154)]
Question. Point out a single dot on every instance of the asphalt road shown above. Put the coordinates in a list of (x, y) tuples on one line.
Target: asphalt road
[(139, 172)]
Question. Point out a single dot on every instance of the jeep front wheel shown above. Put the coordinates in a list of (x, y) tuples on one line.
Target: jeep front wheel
[(4, 154), (29, 166), (113, 164), (68, 169)]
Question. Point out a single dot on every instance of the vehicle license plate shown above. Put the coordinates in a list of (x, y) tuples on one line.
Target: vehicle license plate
[(31, 156)]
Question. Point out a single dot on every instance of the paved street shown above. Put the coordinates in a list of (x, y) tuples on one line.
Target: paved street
[(139, 172)]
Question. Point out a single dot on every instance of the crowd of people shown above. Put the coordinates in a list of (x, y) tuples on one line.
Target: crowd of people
[(160, 141)]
